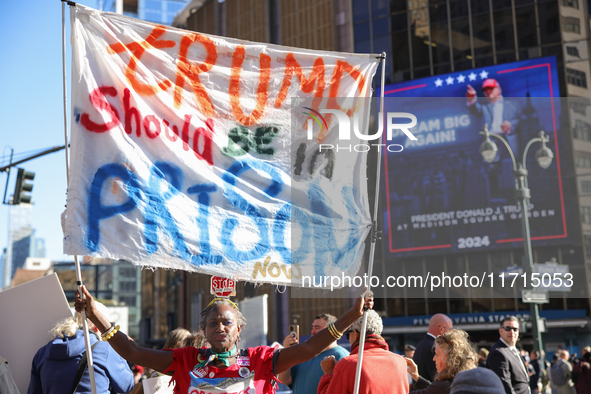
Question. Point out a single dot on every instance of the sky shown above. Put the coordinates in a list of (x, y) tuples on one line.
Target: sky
[(32, 110)]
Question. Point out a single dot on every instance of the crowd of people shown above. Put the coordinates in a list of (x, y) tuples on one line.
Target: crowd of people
[(209, 361)]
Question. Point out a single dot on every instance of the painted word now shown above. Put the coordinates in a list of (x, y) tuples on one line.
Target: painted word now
[(275, 270)]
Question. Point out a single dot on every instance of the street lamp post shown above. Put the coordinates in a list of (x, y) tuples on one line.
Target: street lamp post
[(544, 156)]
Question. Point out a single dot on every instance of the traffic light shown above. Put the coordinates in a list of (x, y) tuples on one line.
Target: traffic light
[(22, 186)]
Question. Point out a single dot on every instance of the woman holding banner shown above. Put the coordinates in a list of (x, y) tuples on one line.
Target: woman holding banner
[(222, 368)]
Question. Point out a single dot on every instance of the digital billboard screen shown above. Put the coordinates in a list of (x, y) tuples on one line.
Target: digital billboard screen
[(440, 195)]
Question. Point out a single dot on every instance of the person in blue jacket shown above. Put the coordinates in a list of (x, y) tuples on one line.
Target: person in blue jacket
[(55, 364)]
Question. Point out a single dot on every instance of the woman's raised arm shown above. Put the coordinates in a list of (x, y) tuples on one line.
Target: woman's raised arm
[(126, 347)]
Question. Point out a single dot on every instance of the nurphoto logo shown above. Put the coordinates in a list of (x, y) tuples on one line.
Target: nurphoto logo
[(346, 127)]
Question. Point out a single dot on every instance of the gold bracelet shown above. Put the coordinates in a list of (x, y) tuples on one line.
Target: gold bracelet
[(336, 334), (108, 330), (110, 334), (331, 330)]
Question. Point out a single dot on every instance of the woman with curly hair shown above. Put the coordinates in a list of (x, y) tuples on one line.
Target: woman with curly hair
[(453, 354)]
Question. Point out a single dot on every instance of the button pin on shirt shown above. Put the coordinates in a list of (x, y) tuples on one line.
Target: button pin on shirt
[(243, 372)]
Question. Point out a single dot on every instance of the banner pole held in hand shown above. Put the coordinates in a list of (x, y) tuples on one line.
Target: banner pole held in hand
[(76, 262), (374, 233)]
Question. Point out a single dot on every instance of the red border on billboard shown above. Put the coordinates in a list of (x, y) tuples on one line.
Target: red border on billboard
[(406, 88), (564, 235)]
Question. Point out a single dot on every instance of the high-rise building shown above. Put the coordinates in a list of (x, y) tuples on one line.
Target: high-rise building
[(20, 230), (37, 247), (22, 242)]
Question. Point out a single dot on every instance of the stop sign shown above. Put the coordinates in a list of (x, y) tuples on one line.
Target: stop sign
[(223, 287)]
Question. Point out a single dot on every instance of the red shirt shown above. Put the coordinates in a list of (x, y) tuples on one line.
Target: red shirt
[(249, 375), (382, 372)]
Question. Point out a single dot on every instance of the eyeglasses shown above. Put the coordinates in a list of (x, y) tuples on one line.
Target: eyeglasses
[(509, 328), (450, 343), (348, 333)]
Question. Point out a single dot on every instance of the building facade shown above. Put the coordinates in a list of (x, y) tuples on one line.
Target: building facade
[(106, 280), (156, 11)]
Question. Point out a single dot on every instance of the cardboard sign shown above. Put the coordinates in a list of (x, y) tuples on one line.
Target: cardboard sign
[(28, 313)]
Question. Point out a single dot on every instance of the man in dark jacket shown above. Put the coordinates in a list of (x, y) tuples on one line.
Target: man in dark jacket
[(505, 361), (438, 325), (536, 379)]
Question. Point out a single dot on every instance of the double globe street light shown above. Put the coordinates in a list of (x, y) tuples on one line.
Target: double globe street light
[(544, 156)]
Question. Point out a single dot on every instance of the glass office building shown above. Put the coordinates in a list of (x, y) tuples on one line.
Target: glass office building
[(157, 11), (424, 38)]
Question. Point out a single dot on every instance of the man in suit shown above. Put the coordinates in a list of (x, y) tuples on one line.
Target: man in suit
[(502, 116), (424, 352), (505, 361)]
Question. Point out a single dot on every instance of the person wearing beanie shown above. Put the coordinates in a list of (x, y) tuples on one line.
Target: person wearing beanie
[(382, 372), (477, 381)]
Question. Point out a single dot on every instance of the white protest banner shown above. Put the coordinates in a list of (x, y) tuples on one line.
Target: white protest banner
[(184, 155)]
